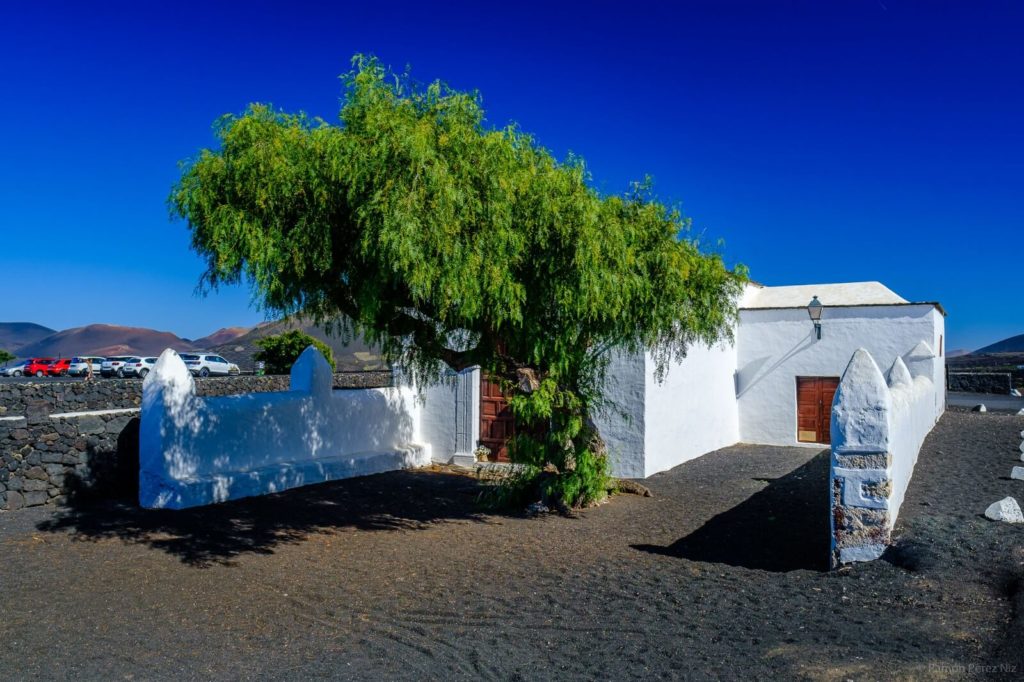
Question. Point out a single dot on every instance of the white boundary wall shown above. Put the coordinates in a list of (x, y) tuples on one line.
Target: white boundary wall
[(878, 427), (195, 451)]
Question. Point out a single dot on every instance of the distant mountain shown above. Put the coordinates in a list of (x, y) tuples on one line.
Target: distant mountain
[(959, 352), (1014, 344), (355, 356), (104, 340), (16, 335), (221, 337)]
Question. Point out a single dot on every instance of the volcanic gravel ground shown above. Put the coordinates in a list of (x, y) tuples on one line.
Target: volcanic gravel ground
[(399, 576)]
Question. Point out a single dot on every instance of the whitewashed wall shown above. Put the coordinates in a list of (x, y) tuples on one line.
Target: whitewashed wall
[(774, 346), (693, 411), (196, 451), (651, 426), (878, 427)]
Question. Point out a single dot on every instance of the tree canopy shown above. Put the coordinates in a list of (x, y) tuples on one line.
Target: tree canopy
[(441, 239), (6, 356)]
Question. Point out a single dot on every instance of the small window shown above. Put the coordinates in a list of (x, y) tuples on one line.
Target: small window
[(940, 345)]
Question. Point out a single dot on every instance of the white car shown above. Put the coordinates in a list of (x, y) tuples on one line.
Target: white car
[(13, 371), (137, 367), (112, 366), (79, 366), (203, 365)]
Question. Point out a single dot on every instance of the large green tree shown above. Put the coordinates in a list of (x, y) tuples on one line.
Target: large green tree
[(441, 239)]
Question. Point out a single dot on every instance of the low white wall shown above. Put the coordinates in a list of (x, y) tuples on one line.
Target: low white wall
[(196, 451), (693, 411), (878, 427), (774, 346)]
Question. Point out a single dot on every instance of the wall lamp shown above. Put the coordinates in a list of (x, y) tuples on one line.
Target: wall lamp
[(814, 309)]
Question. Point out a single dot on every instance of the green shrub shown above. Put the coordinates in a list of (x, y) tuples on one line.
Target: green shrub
[(280, 352)]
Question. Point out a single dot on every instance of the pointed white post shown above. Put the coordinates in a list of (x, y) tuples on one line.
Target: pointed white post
[(312, 374), (861, 427)]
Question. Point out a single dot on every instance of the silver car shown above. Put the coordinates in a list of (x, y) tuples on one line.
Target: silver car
[(13, 370)]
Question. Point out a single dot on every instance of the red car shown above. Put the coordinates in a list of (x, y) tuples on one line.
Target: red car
[(38, 366), (58, 368)]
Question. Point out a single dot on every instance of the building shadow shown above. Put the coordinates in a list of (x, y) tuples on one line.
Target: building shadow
[(217, 534), (784, 527)]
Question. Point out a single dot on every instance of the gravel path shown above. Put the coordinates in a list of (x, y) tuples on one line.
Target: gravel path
[(398, 576)]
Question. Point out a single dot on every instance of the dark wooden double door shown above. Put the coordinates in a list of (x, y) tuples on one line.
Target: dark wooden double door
[(497, 426), (814, 408)]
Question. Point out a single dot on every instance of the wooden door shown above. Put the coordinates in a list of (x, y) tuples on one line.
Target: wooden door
[(497, 425), (814, 408)]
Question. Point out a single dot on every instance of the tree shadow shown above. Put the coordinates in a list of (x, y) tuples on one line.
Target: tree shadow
[(216, 534), (784, 527)]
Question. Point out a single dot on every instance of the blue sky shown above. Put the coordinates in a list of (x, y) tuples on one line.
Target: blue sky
[(822, 141)]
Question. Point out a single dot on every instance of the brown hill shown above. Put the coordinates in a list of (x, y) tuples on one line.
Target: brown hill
[(105, 340), (1013, 344), (221, 337), (17, 335), (354, 356)]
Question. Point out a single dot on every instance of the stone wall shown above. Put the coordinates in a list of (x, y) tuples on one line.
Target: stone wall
[(980, 382), (44, 460), (91, 446), (110, 394)]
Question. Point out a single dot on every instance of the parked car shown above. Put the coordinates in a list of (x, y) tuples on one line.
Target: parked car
[(112, 366), (203, 365), (38, 366), (137, 367), (59, 367), (80, 366), (13, 370)]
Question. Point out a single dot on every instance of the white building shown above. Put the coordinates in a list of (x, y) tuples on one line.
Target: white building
[(773, 385)]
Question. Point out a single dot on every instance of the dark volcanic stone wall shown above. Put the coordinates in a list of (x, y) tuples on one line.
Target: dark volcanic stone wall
[(979, 382), (51, 460), (110, 394)]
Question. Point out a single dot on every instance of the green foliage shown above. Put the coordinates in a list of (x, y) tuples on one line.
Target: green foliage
[(6, 356), (515, 489), (282, 350), (440, 239)]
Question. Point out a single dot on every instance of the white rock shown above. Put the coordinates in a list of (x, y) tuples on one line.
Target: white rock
[(1005, 509), (979, 408), (1015, 393), (1020, 413), (1017, 473)]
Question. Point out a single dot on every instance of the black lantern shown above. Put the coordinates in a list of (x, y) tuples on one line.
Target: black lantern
[(814, 309)]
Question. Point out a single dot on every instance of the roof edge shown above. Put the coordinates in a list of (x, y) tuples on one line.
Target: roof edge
[(934, 304)]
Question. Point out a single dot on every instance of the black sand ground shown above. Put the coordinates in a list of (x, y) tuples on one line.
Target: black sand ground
[(719, 575)]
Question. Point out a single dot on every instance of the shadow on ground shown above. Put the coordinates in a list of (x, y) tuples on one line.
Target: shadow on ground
[(784, 527), (216, 534)]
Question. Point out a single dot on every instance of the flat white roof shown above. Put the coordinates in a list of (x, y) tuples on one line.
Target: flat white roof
[(847, 294)]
